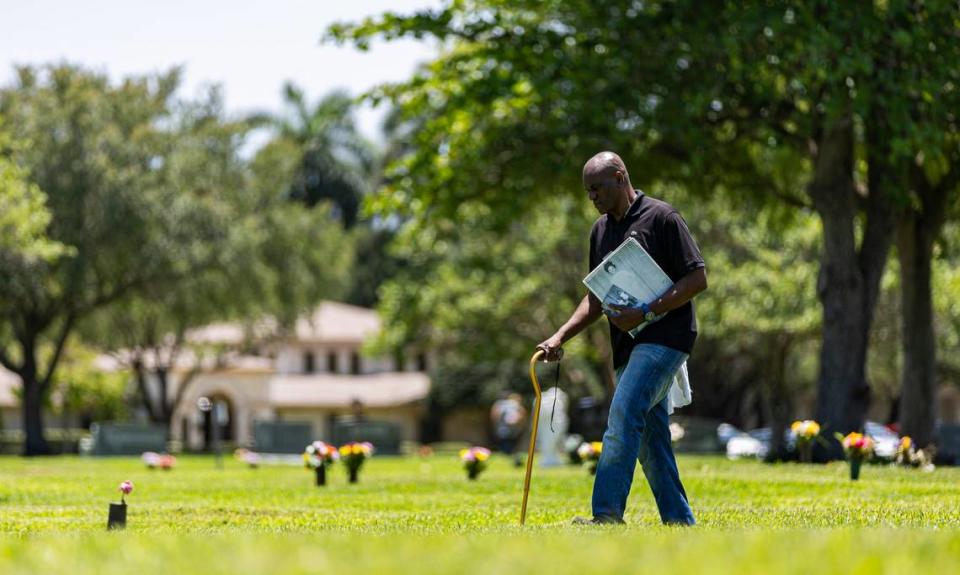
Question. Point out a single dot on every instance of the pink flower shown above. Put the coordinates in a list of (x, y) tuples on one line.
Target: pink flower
[(151, 459), (125, 489)]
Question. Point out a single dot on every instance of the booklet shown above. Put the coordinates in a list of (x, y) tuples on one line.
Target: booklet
[(628, 277)]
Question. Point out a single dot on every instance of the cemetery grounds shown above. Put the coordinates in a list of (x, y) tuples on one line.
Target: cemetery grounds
[(421, 515)]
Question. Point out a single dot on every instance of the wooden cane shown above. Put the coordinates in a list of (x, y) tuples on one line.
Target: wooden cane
[(533, 433)]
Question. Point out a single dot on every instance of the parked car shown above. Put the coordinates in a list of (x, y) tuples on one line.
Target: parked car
[(885, 441), (738, 443)]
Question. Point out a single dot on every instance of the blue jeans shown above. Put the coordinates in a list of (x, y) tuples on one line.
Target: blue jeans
[(639, 429)]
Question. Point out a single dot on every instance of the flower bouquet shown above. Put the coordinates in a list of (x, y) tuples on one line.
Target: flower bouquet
[(154, 460), (572, 446), (151, 459), (909, 456), (474, 460), (906, 452), (353, 455), (117, 518), (244, 455), (805, 432), (318, 456), (857, 447), (590, 454)]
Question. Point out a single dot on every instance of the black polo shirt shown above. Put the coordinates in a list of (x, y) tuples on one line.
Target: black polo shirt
[(658, 227)]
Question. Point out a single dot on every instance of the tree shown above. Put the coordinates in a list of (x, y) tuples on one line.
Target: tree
[(477, 298), (322, 158), (761, 313), (919, 82), (273, 260), (701, 101), (335, 162), (85, 391), (23, 214), (97, 151)]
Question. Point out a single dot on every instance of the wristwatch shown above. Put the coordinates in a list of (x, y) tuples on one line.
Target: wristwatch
[(648, 314)]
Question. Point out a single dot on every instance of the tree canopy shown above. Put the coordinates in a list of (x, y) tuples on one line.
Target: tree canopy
[(818, 105), (160, 219)]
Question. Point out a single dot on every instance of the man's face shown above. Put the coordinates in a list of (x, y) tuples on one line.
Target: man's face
[(603, 189)]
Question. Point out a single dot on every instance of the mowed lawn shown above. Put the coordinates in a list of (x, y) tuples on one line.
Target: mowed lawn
[(421, 515)]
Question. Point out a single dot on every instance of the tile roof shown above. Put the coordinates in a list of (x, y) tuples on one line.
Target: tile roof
[(330, 390)]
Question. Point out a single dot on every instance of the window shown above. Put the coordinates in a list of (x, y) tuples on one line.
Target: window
[(308, 362), (355, 363), (332, 362)]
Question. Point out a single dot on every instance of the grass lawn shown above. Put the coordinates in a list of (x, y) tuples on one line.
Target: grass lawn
[(412, 515)]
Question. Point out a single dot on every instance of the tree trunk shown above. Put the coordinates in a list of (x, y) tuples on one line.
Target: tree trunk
[(32, 404), (777, 401), (916, 230), (140, 374), (917, 407), (847, 286), (163, 402)]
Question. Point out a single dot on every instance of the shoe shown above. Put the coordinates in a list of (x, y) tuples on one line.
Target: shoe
[(601, 520)]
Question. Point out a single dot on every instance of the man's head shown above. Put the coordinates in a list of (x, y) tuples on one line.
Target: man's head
[(607, 182)]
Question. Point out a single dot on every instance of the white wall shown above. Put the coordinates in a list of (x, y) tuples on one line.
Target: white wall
[(291, 360)]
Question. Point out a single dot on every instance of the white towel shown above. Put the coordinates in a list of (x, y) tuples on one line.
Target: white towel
[(680, 393)]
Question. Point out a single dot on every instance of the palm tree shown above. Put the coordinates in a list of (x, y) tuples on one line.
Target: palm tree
[(337, 162)]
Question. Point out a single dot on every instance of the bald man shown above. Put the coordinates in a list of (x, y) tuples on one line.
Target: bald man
[(638, 425)]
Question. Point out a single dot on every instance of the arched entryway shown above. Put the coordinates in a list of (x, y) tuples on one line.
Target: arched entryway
[(222, 411)]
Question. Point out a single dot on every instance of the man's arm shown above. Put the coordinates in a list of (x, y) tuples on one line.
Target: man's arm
[(684, 290), (586, 313)]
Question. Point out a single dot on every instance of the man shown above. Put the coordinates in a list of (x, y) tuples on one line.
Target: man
[(638, 425)]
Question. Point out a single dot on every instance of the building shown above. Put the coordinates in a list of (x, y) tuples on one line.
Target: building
[(10, 413), (317, 374)]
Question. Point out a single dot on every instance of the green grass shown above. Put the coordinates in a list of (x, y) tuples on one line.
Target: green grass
[(423, 516)]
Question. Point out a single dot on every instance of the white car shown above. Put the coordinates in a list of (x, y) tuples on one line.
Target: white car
[(885, 442)]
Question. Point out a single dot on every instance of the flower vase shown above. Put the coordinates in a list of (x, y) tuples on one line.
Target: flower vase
[(321, 471), (855, 468), (806, 451), (592, 468), (354, 475), (472, 473), (117, 519)]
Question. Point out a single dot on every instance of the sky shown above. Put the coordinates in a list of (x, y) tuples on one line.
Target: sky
[(249, 48)]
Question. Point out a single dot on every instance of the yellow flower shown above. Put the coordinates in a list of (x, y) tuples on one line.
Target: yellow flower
[(481, 456), (597, 446), (345, 450), (463, 452), (906, 442), (806, 429)]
